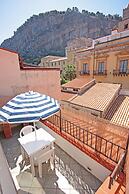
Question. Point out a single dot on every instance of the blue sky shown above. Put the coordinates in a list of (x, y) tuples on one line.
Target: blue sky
[(13, 13)]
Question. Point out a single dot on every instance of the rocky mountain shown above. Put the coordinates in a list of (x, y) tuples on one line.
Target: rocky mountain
[(48, 33)]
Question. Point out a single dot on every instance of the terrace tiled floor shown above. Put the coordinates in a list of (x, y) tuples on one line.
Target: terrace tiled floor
[(68, 177)]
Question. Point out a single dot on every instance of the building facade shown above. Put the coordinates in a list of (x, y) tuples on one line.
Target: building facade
[(107, 60), (72, 47), (54, 62)]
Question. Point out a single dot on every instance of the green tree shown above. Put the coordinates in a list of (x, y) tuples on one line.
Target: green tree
[(69, 72), (117, 17), (99, 14), (92, 14), (75, 9), (63, 81)]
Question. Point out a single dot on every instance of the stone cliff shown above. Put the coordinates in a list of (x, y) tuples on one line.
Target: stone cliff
[(48, 33)]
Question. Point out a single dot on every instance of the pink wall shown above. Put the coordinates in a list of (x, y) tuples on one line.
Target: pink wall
[(14, 80)]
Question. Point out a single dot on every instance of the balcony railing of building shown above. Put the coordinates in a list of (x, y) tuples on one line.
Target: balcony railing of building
[(97, 72), (120, 73), (86, 139), (85, 72), (117, 170)]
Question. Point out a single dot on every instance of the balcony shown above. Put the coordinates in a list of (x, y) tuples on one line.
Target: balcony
[(68, 177), (117, 72), (87, 140), (97, 72), (85, 72), (100, 148)]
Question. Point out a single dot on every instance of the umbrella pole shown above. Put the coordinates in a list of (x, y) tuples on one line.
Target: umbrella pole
[(34, 128), (34, 124)]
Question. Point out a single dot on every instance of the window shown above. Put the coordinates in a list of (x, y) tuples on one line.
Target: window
[(123, 66), (101, 67), (85, 68), (126, 26)]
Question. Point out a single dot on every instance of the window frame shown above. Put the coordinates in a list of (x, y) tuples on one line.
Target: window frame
[(85, 67), (101, 67), (122, 67)]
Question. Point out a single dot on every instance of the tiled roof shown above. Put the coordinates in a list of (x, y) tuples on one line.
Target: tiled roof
[(77, 83), (98, 97), (5, 49), (51, 57), (59, 59), (66, 96), (119, 111)]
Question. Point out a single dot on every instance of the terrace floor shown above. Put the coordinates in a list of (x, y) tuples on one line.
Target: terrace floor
[(68, 177)]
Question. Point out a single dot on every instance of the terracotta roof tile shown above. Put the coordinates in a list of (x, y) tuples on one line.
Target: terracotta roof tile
[(119, 111), (77, 82), (6, 49), (98, 97), (66, 96), (59, 59)]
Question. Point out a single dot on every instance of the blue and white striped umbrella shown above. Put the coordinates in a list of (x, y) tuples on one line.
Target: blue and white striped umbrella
[(28, 107)]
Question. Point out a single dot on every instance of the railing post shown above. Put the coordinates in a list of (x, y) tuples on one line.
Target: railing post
[(60, 122), (117, 170), (126, 151), (110, 182), (127, 144)]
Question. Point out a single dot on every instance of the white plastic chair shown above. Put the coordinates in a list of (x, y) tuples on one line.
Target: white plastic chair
[(27, 129), (42, 156), (24, 131)]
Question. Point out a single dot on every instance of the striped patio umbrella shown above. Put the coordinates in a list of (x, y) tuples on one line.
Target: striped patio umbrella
[(28, 107)]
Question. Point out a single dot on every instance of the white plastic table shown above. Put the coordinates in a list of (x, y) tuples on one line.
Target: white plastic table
[(35, 141)]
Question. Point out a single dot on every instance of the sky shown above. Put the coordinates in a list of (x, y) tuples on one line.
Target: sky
[(13, 13)]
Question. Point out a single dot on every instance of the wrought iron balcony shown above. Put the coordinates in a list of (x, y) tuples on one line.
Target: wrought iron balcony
[(85, 72), (97, 72), (118, 72), (83, 135)]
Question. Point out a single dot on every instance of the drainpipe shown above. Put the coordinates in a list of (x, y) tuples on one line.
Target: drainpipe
[(93, 61)]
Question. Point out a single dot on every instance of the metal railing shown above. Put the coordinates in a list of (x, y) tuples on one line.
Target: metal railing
[(118, 72), (118, 169), (97, 72), (83, 135), (85, 72)]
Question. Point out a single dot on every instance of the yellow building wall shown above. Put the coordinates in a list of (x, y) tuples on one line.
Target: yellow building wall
[(111, 59), (112, 62)]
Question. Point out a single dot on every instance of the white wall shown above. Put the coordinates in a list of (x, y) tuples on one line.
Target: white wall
[(96, 169)]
